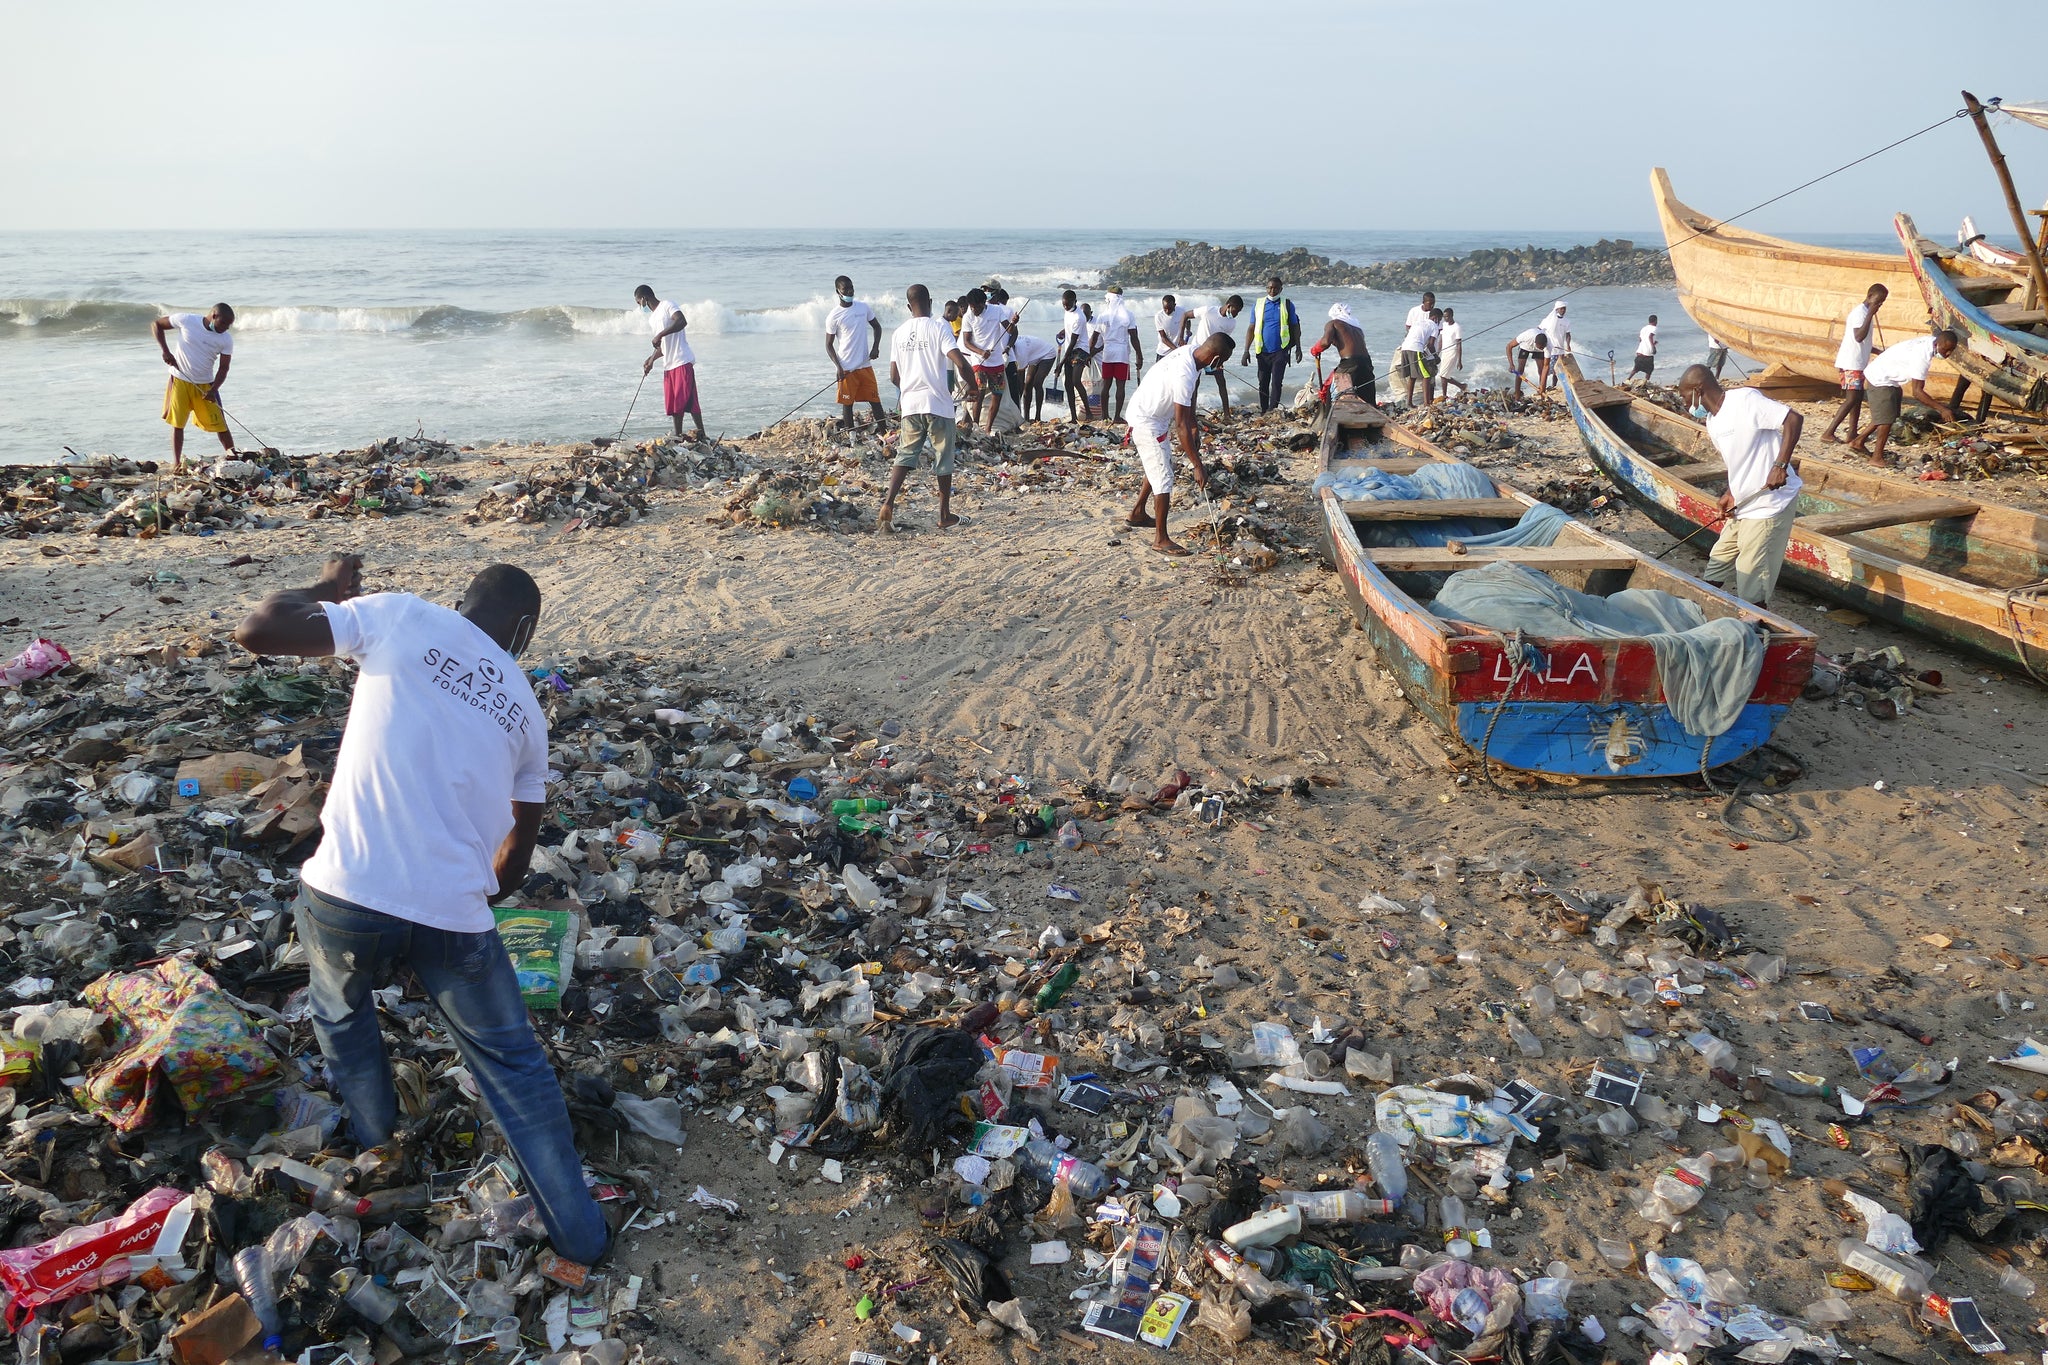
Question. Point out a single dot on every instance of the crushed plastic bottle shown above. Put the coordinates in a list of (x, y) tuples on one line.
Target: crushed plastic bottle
[(1677, 1188), (1902, 1277), (1389, 1168), (1084, 1179), (1527, 1043)]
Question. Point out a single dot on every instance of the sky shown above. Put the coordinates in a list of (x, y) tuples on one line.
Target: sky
[(1450, 114)]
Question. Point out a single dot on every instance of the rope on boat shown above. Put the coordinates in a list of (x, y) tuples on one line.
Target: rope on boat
[(2030, 593)]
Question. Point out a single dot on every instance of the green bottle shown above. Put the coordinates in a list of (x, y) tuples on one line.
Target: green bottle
[(1049, 994), (865, 805)]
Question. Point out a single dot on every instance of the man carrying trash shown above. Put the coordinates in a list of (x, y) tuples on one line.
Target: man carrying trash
[(678, 361), (853, 338), (435, 805), (1166, 401), (191, 344), (1755, 437), (921, 353)]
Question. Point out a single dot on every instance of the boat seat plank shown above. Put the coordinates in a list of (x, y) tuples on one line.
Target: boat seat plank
[(1692, 472), (2016, 315), (1595, 394), (1977, 289), (1405, 464), (1549, 558), (1433, 509), (1853, 519)]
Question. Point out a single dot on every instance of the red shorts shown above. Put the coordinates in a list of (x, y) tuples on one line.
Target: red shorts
[(992, 369), (1116, 369), (679, 390), (1851, 379)]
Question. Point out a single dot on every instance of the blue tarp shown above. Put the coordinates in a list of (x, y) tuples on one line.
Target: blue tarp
[(1539, 525)]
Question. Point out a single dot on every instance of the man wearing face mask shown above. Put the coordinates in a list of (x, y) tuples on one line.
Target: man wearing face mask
[(1755, 436), (853, 338), (678, 361), (435, 805)]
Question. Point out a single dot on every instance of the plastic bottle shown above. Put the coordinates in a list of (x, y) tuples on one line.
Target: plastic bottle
[(1041, 1158), (252, 1276), (1335, 1206), (1895, 1275), (386, 1204), (864, 805), (1678, 1187), (1232, 1270), (1717, 1052), (1389, 1169), (1542, 1001), (1265, 1228), (633, 954), (1451, 1212), (1070, 836)]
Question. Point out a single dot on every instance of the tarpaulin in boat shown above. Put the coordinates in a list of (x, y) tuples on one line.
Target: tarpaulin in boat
[(1539, 525), (1708, 668)]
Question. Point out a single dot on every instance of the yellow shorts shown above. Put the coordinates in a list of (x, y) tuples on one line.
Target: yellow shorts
[(185, 401), (859, 387)]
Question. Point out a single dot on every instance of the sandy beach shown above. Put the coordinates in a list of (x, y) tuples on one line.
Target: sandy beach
[(1042, 639)]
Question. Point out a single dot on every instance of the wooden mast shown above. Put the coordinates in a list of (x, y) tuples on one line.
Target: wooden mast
[(2037, 291)]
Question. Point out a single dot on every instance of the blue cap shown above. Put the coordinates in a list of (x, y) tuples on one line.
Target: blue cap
[(802, 789)]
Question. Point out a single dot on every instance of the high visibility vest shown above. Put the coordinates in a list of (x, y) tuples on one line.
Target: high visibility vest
[(1258, 331)]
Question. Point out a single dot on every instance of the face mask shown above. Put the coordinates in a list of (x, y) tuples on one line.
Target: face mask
[(1699, 412), (845, 299)]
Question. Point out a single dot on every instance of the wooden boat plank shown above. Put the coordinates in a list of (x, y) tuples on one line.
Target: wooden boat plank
[(2016, 315), (1693, 471), (1599, 395), (1435, 509), (1403, 464), (1548, 558), (1885, 514)]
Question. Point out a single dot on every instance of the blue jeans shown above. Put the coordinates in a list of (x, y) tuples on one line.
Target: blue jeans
[(471, 980)]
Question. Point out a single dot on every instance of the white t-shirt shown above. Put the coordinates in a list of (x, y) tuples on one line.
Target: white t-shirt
[(675, 351), (1747, 431), (1168, 326), (1559, 329), (1077, 329), (1900, 363), (1853, 354), (989, 334), (1028, 350), (1526, 341), (1416, 316), (195, 348), (1646, 340), (1166, 386), (1116, 323), (443, 735), (852, 337), (918, 351), (1449, 336), (1420, 334), (1208, 322)]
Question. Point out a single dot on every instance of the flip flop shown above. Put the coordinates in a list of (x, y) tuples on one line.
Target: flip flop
[(1170, 551)]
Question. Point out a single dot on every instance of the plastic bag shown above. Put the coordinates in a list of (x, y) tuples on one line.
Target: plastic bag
[(660, 1119), (82, 1258), (539, 942), (39, 660)]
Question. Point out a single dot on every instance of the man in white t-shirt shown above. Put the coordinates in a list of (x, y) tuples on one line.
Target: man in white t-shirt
[(853, 338), (432, 815), (192, 345), (1419, 314), (1165, 402), (1077, 345), (1450, 354), (1417, 357), (1646, 352), (921, 352), (1218, 320), (678, 361), (1120, 358), (1755, 437), (1558, 329), (1530, 344), (1030, 362), (1859, 335), (1171, 322), (985, 335), (1901, 369)]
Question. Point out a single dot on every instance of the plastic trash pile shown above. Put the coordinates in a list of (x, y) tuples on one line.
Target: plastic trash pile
[(605, 485)]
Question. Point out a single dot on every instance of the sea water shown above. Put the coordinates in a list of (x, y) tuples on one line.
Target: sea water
[(346, 337)]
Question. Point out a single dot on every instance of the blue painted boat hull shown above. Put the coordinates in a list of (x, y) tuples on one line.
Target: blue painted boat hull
[(1571, 737)]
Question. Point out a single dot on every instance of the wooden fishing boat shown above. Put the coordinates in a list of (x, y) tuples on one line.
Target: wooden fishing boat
[(1782, 302), (1968, 573), (1590, 707), (2004, 350)]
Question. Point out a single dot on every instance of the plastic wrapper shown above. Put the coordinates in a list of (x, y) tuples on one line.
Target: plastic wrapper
[(83, 1258), (541, 944)]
